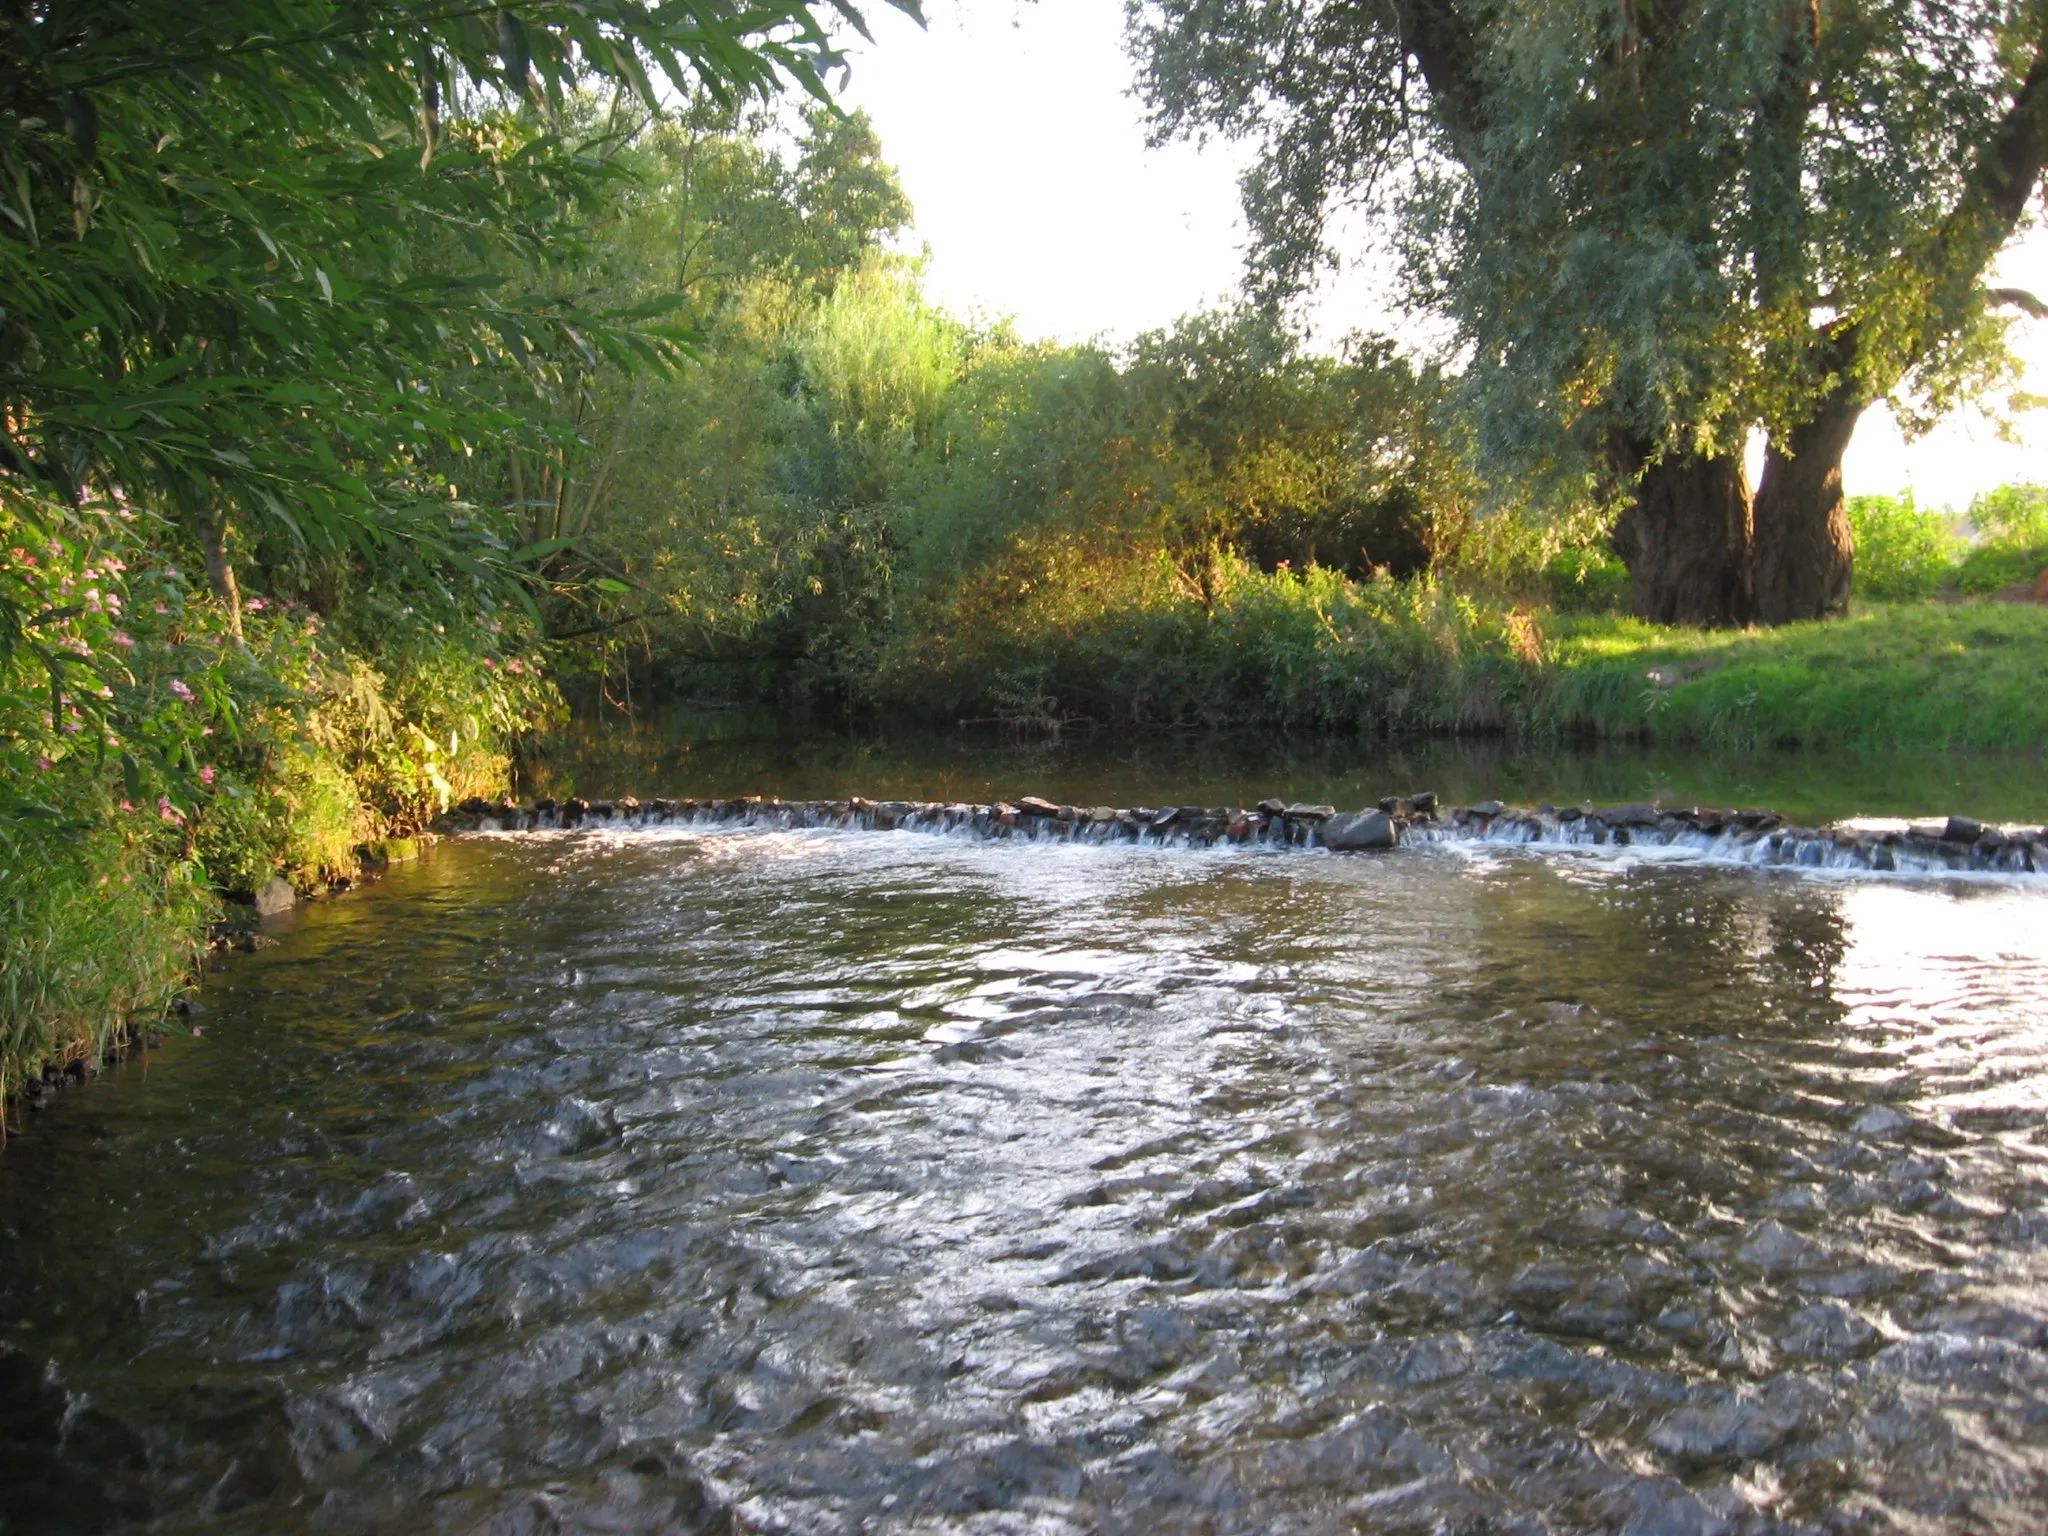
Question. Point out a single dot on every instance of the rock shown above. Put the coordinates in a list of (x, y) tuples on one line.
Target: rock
[(1960, 829), (1272, 806), (1032, 805), (1391, 804), (1102, 813), (1638, 815), (1570, 814), (1299, 812), (1360, 832), (1424, 803), (274, 896), (1487, 808)]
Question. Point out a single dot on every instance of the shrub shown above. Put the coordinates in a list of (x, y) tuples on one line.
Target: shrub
[(1902, 553), (2012, 539), (1586, 580)]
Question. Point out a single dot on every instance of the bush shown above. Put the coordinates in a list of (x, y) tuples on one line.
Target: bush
[(1586, 580), (2012, 539), (1902, 553)]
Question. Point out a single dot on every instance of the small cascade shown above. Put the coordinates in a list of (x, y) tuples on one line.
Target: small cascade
[(1760, 838)]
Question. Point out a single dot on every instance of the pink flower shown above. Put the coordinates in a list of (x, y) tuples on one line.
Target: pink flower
[(489, 663), (122, 638), (163, 607), (44, 765), (255, 605), (127, 805), (166, 811), (180, 688), (206, 775), (206, 730)]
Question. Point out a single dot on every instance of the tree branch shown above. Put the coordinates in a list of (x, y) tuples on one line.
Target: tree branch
[(2020, 299)]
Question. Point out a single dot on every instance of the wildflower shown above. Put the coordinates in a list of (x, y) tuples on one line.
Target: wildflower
[(122, 638), (113, 741), (166, 811), (106, 693), (44, 765), (255, 605), (182, 689), (515, 665), (127, 805), (206, 730), (489, 663), (206, 775), (163, 607), (174, 574)]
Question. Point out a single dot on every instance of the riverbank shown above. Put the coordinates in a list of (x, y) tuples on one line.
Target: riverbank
[(166, 760), (1313, 652), (310, 753)]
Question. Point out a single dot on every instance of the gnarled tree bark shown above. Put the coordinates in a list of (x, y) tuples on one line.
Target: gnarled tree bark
[(1805, 552), (1686, 539)]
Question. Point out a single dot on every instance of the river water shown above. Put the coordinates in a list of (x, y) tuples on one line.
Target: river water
[(750, 1181)]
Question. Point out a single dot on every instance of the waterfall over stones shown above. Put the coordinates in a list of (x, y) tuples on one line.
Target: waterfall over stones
[(1754, 837)]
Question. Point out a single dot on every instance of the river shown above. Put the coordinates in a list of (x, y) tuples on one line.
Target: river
[(751, 1181)]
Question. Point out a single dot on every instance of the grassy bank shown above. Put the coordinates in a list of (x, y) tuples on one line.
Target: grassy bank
[(1053, 641)]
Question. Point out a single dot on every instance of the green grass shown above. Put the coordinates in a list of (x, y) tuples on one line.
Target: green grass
[(1910, 675)]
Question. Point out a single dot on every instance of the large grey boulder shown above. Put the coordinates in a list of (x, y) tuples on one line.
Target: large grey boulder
[(1360, 832), (274, 896)]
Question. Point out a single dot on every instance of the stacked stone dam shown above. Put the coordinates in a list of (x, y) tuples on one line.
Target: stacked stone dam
[(1746, 837)]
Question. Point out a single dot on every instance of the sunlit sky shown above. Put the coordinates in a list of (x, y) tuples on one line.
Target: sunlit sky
[(1017, 138)]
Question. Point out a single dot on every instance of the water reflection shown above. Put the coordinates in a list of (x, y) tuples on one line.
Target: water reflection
[(842, 1182)]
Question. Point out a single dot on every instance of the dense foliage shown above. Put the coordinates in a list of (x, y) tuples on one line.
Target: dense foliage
[(274, 273), (1656, 228)]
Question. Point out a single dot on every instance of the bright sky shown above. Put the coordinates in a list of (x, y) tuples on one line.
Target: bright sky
[(1012, 125)]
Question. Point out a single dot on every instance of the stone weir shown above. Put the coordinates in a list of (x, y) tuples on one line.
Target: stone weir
[(1761, 838)]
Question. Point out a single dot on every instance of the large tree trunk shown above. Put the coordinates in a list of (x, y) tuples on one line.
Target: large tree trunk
[(1804, 551), (1686, 542)]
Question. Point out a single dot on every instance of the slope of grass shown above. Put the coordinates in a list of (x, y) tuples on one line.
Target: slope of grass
[(1917, 675)]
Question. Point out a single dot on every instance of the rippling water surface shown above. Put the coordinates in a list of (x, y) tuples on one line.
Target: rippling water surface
[(836, 1182)]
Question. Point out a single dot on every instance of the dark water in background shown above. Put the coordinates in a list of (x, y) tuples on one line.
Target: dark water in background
[(739, 754), (836, 1182)]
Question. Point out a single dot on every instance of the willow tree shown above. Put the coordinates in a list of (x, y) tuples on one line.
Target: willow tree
[(1657, 227), (251, 249)]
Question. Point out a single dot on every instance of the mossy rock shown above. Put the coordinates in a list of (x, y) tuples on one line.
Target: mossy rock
[(391, 850)]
